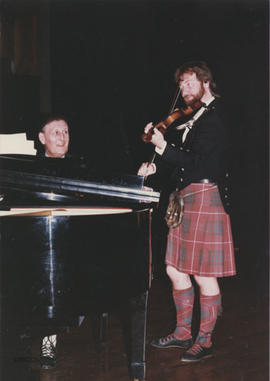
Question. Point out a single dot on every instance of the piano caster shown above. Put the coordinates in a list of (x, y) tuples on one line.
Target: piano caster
[(138, 372)]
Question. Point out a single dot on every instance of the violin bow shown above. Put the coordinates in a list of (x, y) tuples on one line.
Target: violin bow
[(171, 109), (175, 99)]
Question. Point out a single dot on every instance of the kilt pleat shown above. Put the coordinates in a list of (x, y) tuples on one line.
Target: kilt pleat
[(202, 244)]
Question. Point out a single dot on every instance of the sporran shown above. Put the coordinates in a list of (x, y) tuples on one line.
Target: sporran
[(175, 210)]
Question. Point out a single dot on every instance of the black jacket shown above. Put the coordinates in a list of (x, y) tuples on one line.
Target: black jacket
[(203, 155), (71, 166)]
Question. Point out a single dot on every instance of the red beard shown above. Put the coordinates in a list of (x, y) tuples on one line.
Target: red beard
[(190, 99)]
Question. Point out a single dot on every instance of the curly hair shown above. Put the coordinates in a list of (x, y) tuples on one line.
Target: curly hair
[(202, 71)]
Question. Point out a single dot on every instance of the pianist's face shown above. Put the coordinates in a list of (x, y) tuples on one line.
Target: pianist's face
[(55, 138)]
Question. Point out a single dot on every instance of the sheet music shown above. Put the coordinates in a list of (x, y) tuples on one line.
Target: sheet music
[(16, 144)]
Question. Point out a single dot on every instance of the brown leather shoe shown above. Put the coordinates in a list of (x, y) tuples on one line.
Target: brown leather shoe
[(171, 341)]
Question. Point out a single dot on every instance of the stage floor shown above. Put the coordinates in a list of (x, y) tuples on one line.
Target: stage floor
[(241, 342)]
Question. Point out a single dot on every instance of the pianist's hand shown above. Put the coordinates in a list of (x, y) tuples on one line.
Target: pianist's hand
[(146, 169)]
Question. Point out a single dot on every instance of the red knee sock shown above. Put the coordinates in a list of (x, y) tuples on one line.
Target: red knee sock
[(210, 309), (183, 300)]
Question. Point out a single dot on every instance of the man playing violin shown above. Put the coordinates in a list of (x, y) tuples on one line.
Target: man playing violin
[(201, 245)]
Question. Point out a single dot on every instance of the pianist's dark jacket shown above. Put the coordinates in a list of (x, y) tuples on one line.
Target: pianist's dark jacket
[(71, 166)]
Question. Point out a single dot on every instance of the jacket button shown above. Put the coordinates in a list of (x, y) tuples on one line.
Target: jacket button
[(181, 179), (182, 169)]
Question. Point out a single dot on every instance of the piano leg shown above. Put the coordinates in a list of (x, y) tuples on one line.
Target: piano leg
[(134, 325), (138, 311), (100, 330)]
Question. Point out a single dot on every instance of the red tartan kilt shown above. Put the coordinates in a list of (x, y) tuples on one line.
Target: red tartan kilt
[(202, 244)]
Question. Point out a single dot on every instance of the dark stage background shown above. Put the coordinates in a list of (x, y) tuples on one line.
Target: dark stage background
[(109, 67)]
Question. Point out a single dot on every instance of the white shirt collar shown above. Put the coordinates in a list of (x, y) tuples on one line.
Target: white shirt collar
[(61, 157), (188, 125)]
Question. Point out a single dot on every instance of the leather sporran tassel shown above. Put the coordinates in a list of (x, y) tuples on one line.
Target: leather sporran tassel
[(175, 210)]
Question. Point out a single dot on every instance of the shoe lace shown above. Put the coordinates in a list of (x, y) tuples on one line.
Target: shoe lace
[(195, 349), (167, 338), (48, 348)]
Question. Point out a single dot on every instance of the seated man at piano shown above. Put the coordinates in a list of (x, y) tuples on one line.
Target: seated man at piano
[(52, 288), (54, 138)]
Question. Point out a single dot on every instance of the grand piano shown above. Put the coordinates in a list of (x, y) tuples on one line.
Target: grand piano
[(73, 244)]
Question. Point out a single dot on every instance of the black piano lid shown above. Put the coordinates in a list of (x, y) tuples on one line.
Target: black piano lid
[(25, 177)]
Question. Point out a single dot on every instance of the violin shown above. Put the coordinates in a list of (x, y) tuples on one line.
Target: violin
[(164, 124)]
